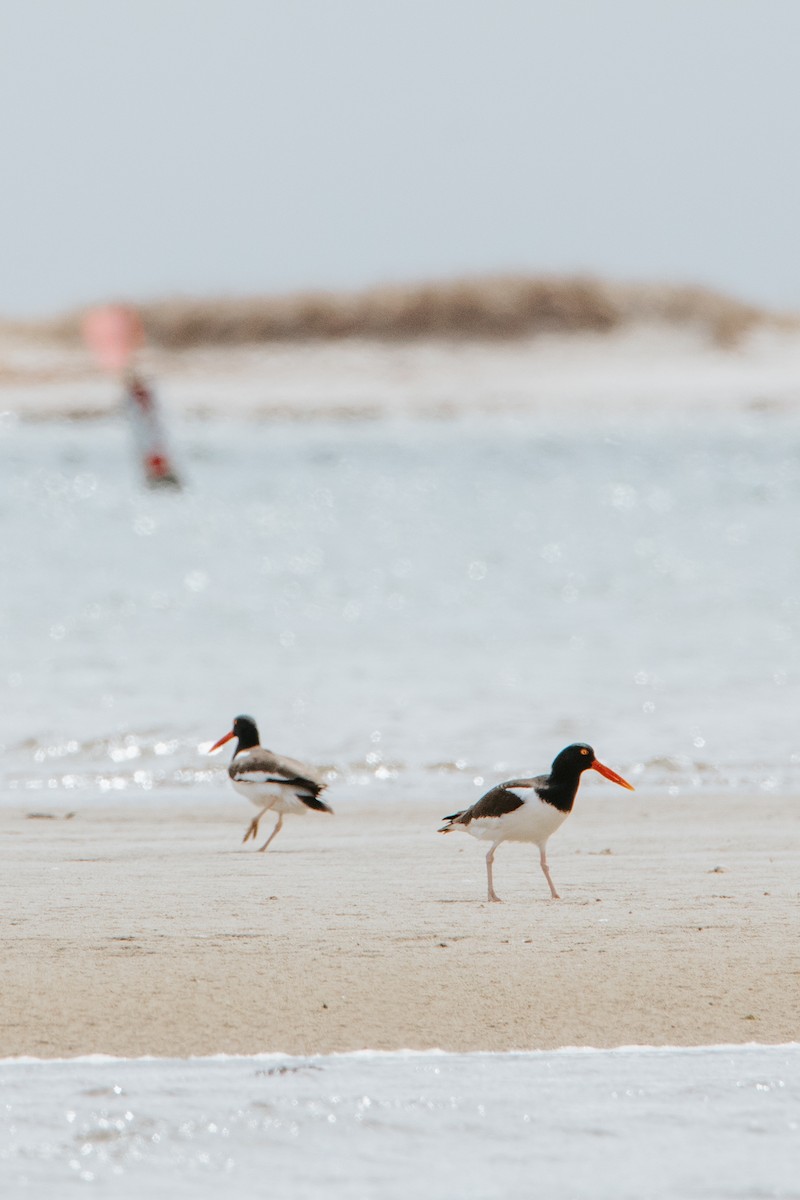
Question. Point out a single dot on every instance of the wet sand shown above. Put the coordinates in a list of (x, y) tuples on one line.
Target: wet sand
[(146, 928)]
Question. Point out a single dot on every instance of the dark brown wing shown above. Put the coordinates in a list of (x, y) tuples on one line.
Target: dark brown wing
[(261, 766), (495, 803)]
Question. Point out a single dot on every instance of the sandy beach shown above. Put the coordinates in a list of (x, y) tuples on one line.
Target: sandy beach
[(639, 367), (145, 928)]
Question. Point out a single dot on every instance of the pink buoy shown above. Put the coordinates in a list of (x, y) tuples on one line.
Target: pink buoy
[(114, 333)]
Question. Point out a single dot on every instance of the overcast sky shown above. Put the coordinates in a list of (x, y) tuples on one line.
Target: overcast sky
[(162, 147)]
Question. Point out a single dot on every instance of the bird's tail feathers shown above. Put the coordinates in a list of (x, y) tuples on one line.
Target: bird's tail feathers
[(314, 802)]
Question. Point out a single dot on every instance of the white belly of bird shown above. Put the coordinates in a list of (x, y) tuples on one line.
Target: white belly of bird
[(535, 821), (277, 797)]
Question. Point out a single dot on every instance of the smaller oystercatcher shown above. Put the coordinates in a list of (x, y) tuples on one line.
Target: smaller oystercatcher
[(530, 810), (270, 781)]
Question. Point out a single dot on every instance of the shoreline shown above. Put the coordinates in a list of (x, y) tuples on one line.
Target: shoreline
[(434, 1052), (635, 369), (151, 933)]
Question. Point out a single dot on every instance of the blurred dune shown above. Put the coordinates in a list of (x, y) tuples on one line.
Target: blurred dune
[(502, 307), (481, 345)]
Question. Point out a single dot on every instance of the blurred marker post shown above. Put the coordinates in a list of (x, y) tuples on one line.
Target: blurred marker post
[(114, 333)]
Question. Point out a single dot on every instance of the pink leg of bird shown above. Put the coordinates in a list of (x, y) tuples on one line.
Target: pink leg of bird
[(274, 833), (489, 861), (252, 828), (546, 869)]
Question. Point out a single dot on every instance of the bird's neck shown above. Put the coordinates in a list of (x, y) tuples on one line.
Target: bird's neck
[(561, 789), (246, 742)]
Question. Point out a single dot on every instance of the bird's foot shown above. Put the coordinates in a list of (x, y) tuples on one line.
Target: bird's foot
[(494, 898), (555, 896), (252, 831)]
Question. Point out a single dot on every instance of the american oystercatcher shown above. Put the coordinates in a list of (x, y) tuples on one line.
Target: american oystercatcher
[(270, 781), (530, 810)]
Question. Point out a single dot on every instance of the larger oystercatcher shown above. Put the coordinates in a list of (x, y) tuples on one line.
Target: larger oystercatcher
[(530, 810), (270, 781)]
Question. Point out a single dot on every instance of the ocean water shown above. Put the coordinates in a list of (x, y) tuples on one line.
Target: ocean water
[(394, 598), (630, 1124)]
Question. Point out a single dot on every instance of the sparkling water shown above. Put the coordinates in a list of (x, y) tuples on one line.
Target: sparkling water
[(394, 596), (706, 1124)]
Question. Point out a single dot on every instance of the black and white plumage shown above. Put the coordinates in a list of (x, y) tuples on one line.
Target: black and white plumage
[(270, 781), (530, 810)]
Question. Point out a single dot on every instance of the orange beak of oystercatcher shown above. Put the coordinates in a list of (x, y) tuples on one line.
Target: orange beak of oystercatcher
[(596, 766), (230, 735)]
